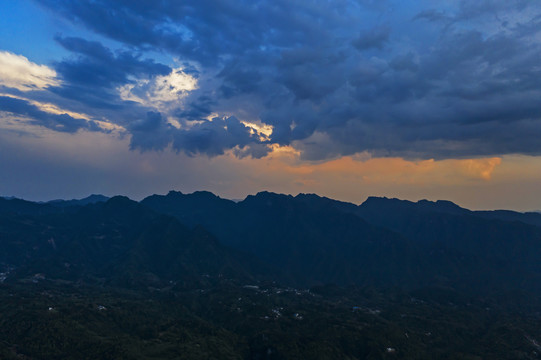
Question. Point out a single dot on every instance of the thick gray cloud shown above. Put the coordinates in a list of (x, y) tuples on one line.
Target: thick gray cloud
[(93, 74), (334, 78), (373, 39), (210, 137), (216, 136)]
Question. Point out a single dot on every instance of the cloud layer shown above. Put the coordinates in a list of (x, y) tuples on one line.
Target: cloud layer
[(443, 79), (17, 72)]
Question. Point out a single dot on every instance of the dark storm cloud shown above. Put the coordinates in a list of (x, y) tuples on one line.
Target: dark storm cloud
[(57, 122), (210, 137), (92, 77), (150, 133), (99, 66), (96, 71), (332, 78), (238, 79), (373, 39), (216, 136), (432, 15), (197, 109), (472, 9)]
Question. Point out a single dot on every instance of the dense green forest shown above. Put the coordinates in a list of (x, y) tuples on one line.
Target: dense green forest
[(46, 320)]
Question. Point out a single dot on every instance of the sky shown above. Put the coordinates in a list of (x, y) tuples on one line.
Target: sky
[(348, 99)]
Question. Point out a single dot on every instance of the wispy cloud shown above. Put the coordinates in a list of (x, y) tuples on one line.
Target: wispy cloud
[(54, 121), (17, 72)]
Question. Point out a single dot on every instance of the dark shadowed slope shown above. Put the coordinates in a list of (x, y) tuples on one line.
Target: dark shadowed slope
[(319, 240), (119, 241), (303, 240), (489, 252), (312, 244), (18, 206)]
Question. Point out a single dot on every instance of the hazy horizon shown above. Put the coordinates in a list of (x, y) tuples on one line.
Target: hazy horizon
[(138, 199)]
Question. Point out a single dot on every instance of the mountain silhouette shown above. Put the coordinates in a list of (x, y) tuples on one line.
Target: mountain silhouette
[(383, 241), (119, 242), (304, 241), (91, 199)]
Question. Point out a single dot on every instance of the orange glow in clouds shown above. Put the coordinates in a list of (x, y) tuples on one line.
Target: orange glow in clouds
[(383, 170)]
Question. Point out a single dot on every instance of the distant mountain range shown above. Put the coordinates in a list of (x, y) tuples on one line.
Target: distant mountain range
[(188, 239), (92, 199)]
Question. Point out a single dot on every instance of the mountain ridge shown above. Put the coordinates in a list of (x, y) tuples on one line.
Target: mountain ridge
[(301, 240)]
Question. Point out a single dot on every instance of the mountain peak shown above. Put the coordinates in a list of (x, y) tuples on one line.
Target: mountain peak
[(442, 206), (204, 194), (173, 193), (268, 196), (309, 196), (120, 200), (93, 198), (265, 194), (200, 194), (380, 200)]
